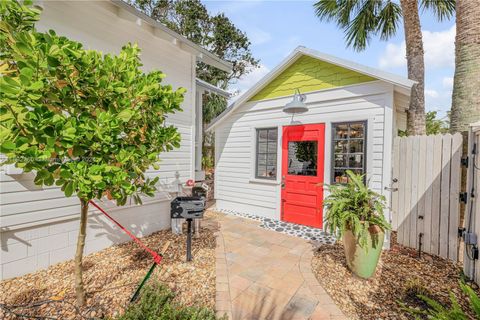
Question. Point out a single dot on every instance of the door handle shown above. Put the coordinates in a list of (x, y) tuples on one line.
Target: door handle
[(391, 189), (283, 182)]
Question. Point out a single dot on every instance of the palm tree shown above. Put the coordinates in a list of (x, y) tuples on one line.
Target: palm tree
[(362, 19), (466, 82)]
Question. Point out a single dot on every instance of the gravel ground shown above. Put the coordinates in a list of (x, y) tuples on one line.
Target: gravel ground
[(111, 276), (399, 277)]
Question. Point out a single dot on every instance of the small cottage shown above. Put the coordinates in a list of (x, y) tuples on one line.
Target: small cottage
[(304, 124)]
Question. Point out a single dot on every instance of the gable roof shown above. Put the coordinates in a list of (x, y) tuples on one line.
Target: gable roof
[(202, 54), (401, 84)]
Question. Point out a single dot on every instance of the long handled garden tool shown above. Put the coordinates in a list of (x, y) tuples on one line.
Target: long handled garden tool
[(157, 258)]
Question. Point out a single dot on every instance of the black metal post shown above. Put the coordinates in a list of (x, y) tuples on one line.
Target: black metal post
[(189, 239)]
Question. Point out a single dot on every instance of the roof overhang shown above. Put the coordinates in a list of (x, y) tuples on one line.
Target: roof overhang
[(400, 84), (126, 11), (203, 85)]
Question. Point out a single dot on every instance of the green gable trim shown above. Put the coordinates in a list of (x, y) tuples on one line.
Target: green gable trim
[(309, 74)]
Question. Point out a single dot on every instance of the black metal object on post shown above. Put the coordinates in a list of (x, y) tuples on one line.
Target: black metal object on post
[(188, 208)]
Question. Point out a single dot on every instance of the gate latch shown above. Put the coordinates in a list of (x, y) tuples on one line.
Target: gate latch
[(463, 197)]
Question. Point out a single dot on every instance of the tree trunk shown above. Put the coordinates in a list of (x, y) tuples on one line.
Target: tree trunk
[(79, 290), (416, 67), (466, 82)]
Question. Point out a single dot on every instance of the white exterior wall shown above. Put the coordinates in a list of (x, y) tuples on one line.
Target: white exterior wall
[(38, 226), (235, 185)]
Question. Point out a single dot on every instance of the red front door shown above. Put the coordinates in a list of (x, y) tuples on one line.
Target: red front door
[(302, 174)]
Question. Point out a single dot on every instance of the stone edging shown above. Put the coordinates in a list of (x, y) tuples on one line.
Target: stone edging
[(326, 305), (223, 303)]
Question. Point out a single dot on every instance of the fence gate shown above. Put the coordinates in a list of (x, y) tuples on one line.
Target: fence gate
[(425, 198), (472, 208)]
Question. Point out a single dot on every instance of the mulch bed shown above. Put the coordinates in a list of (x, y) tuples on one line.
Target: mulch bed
[(400, 276), (112, 275)]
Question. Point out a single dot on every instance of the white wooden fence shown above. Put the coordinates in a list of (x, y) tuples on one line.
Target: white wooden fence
[(472, 209), (425, 198)]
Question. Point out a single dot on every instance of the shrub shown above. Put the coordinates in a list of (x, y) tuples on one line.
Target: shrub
[(156, 303)]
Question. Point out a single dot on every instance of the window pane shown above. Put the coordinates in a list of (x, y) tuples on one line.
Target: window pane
[(302, 158), (340, 176), (271, 171), (261, 171), (272, 147), (272, 135), (341, 146), (356, 161), (262, 135), (262, 158), (272, 159), (262, 147), (341, 131), (341, 161), (356, 146), (357, 130)]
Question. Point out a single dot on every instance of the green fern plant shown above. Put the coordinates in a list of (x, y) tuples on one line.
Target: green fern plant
[(353, 206), (437, 311)]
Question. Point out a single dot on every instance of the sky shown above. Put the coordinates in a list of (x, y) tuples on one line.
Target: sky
[(276, 28)]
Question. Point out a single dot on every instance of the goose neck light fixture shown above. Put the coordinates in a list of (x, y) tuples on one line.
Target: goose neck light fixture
[(297, 105)]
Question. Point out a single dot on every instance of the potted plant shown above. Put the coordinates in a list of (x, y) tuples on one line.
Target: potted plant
[(355, 213)]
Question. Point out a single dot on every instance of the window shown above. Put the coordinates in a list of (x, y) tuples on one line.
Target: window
[(302, 158), (266, 157), (349, 149)]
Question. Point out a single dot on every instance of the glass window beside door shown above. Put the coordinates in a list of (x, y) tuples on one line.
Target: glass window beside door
[(349, 149), (266, 154)]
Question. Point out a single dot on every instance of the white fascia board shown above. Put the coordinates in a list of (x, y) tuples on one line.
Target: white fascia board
[(211, 88), (164, 32)]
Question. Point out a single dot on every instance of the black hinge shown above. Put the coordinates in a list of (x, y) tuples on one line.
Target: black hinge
[(461, 232), (463, 197), (464, 161)]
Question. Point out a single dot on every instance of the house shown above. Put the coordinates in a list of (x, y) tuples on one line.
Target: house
[(39, 225), (273, 164)]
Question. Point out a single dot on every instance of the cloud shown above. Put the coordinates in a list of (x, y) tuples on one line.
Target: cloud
[(431, 93), (258, 36), (247, 81), (439, 47), (447, 82)]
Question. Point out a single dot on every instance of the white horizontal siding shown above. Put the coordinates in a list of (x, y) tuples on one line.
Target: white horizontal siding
[(38, 224), (235, 186)]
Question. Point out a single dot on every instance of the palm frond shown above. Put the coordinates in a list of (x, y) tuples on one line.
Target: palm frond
[(442, 9)]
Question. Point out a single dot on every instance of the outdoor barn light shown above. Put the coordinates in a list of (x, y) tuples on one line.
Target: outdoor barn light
[(297, 105)]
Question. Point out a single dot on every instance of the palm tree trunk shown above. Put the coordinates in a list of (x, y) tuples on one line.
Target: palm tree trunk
[(466, 82), (416, 67), (79, 290)]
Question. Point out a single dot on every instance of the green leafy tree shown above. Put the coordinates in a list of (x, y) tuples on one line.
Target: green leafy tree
[(435, 125), (362, 19), (90, 123), (216, 33)]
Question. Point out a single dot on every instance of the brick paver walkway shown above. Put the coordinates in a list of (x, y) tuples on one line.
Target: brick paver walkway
[(262, 274)]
